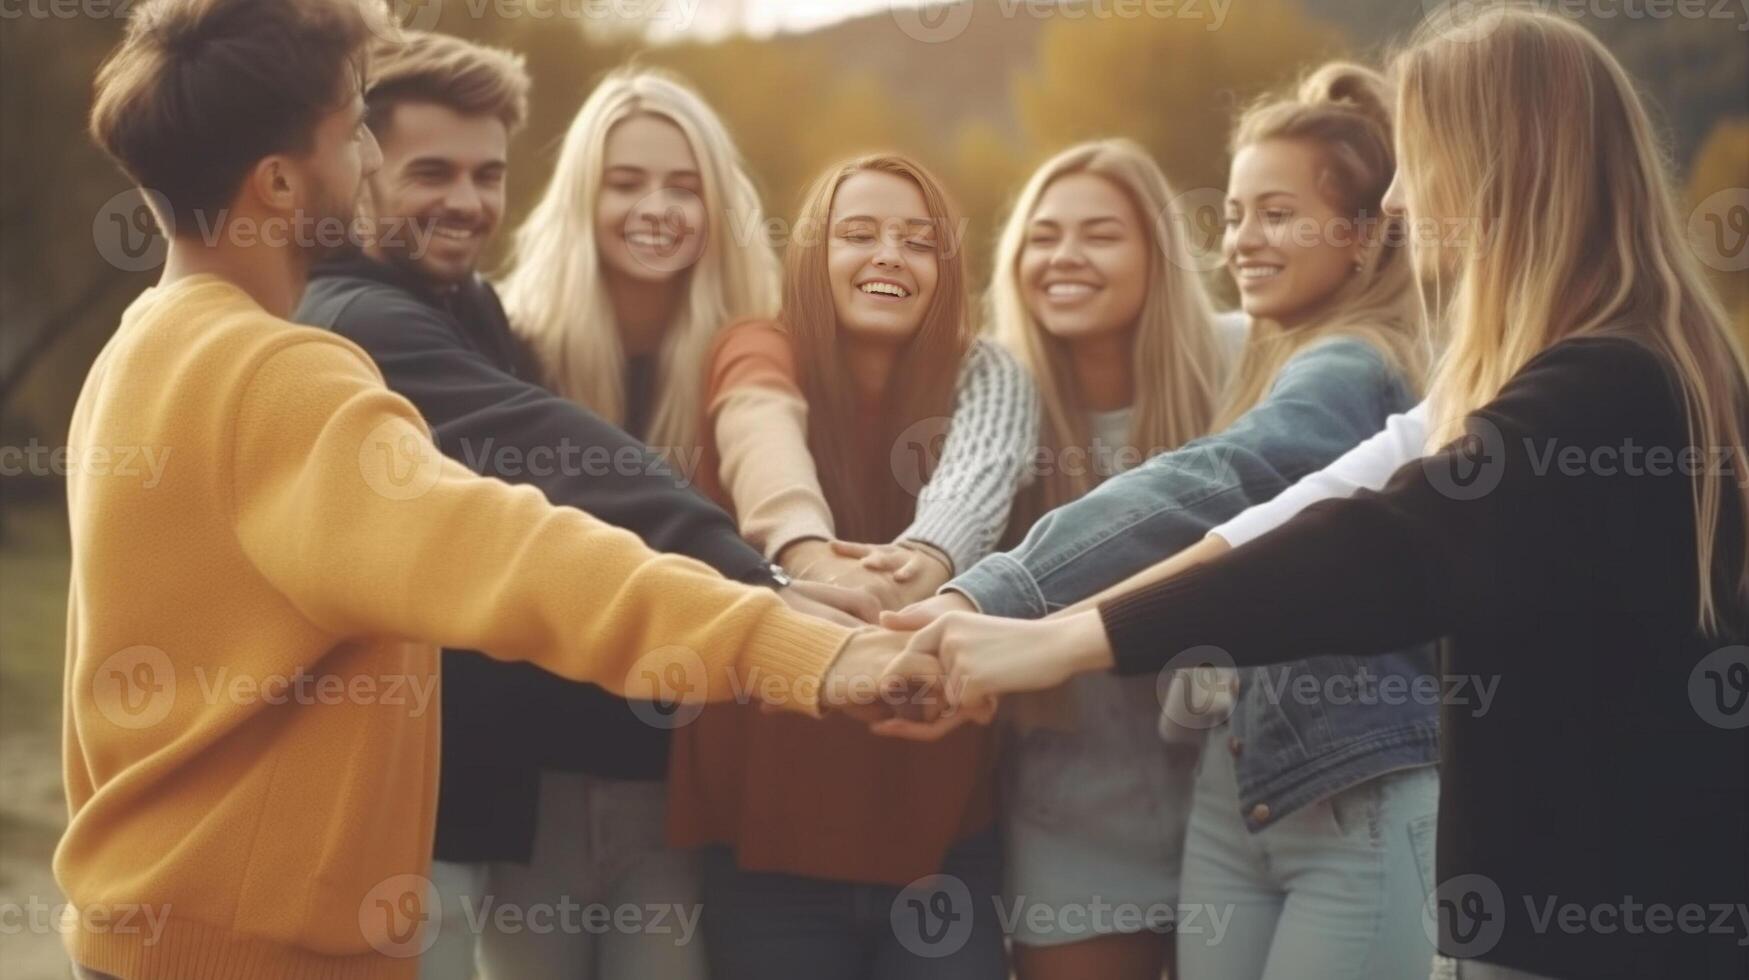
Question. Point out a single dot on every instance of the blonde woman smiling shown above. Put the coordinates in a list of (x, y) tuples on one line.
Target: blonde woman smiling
[(1610, 606), (1312, 819), (1095, 291)]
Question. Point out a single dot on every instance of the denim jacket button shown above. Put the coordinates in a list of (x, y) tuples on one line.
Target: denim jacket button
[(1260, 812), (1234, 744)]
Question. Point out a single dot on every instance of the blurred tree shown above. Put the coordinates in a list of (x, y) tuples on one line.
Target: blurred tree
[(989, 170), (54, 280), (982, 107), (1170, 83)]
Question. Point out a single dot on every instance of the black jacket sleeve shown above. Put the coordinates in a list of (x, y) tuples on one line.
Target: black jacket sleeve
[(498, 424), (1486, 531)]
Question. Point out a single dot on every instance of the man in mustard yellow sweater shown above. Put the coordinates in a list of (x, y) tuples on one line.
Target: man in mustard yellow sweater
[(251, 733)]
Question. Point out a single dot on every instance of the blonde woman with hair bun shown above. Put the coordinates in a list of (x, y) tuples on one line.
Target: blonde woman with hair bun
[(1310, 822), (1578, 533)]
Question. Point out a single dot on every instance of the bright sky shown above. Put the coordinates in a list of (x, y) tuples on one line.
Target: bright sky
[(763, 17)]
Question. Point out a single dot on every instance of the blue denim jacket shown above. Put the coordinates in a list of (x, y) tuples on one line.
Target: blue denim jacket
[(1302, 731)]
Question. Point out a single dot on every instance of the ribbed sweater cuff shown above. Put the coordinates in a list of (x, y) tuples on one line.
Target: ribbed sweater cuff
[(184, 950), (1149, 627), (949, 533), (790, 531), (788, 655)]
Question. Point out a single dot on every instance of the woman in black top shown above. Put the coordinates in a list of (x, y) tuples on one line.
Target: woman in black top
[(1580, 543)]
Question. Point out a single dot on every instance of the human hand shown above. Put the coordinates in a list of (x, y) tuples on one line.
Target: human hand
[(987, 656), (833, 603), (875, 678), (920, 614), (916, 570), (799, 557)]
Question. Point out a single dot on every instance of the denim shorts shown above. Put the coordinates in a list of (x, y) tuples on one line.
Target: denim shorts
[(1094, 818)]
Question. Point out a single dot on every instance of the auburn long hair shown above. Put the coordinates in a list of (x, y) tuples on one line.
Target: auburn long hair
[(1176, 357), (1341, 110), (1524, 123), (869, 500)]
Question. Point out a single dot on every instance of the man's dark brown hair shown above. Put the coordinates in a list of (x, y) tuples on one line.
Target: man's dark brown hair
[(200, 90), (471, 79)]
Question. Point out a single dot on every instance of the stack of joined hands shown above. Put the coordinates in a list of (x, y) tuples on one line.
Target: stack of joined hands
[(923, 664)]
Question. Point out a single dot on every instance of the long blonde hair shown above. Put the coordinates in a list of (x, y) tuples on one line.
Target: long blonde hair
[(1523, 122), (868, 503), (555, 294), (1340, 110), (1176, 357)]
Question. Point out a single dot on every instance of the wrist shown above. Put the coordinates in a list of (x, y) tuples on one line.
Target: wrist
[(1088, 648), (931, 551), (799, 553), (768, 574)]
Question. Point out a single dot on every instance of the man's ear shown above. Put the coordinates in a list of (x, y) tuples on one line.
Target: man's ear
[(275, 183)]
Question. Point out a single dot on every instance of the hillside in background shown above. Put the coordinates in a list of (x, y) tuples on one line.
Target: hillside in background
[(981, 108)]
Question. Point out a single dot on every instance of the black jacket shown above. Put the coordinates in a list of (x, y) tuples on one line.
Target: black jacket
[(453, 356), (1594, 818)]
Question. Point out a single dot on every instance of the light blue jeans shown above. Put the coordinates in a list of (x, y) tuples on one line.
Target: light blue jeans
[(604, 897), (1095, 817), (1333, 891)]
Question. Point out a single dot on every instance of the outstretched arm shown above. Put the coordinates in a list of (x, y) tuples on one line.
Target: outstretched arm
[(343, 503)]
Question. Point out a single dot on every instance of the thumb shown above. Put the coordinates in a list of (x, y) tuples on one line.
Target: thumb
[(928, 640), (912, 684), (913, 617)]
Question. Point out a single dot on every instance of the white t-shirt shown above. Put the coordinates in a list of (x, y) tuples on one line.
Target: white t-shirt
[(1366, 466)]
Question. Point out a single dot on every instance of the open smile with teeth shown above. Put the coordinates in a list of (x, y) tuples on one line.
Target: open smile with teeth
[(1070, 290), (884, 289), (1252, 273), (650, 239), (453, 234)]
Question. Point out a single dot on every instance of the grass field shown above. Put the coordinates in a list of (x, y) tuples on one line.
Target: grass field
[(33, 811)]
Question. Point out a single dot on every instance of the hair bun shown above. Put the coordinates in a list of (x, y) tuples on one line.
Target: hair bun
[(1356, 87)]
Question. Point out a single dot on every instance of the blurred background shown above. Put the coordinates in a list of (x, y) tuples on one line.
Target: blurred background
[(981, 91)]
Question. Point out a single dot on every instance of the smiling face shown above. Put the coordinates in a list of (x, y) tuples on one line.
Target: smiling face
[(1286, 245), (650, 221), (881, 257), (1083, 267), (439, 194)]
